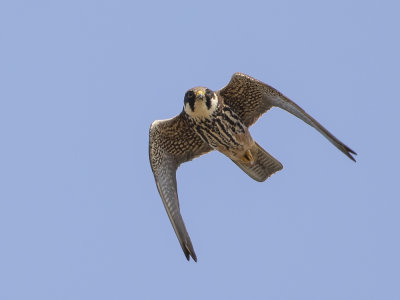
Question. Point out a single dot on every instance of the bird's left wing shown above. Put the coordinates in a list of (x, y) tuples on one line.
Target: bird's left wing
[(250, 98), (171, 143)]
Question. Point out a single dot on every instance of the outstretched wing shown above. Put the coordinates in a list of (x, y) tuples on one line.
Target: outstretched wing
[(250, 98), (172, 142)]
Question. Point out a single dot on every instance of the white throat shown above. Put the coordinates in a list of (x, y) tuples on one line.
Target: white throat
[(201, 110)]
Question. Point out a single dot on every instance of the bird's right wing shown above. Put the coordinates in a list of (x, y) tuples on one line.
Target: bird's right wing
[(171, 143)]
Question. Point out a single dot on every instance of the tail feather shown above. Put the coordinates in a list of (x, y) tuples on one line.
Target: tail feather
[(263, 165)]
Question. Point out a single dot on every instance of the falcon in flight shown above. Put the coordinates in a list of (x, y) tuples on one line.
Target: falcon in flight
[(219, 120)]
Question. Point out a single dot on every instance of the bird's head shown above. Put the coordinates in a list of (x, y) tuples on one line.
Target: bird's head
[(200, 102)]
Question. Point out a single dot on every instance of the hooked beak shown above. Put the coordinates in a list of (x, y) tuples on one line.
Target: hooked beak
[(199, 94)]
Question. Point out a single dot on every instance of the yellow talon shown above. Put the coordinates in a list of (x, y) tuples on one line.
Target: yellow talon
[(248, 157)]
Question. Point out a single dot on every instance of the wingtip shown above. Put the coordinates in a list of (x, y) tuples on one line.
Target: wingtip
[(349, 153), (190, 255), (187, 256)]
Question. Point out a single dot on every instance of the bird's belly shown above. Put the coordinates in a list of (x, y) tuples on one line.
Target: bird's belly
[(231, 139)]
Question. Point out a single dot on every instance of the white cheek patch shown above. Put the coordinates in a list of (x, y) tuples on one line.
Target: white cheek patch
[(187, 109), (201, 110), (214, 104)]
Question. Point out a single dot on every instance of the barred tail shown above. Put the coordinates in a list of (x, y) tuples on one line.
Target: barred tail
[(263, 165)]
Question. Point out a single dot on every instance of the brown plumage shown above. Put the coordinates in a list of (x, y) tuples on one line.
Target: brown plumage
[(219, 121)]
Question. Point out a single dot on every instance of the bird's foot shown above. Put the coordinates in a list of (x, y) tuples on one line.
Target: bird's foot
[(248, 157)]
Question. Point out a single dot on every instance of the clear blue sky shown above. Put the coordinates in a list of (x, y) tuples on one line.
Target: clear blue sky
[(80, 215)]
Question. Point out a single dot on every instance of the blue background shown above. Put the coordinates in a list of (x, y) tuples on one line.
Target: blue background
[(80, 215)]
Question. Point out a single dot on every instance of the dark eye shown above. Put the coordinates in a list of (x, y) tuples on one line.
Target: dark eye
[(189, 95), (189, 98), (209, 93)]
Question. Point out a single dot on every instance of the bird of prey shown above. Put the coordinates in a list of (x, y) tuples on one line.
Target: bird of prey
[(219, 120)]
